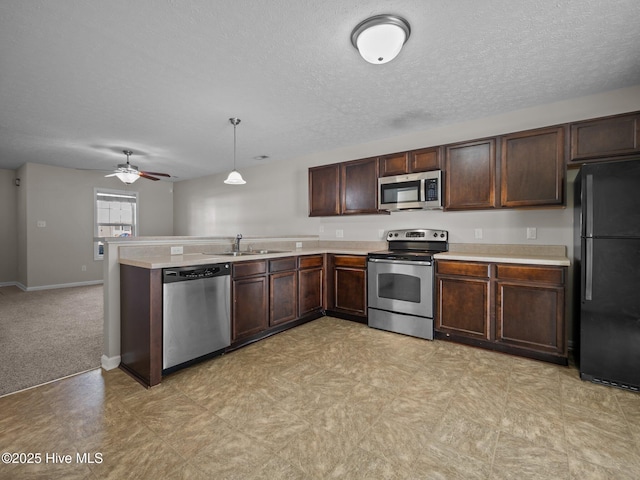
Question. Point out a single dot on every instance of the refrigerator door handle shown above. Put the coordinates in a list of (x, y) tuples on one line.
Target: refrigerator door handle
[(588, 276), (589, 207)]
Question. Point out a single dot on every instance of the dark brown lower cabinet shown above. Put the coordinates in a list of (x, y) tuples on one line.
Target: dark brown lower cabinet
[(347, 296), (518, 309), (530, 308), (310, 284), (250, 292), (272, 295), (283, 290), (141, 323), (463, 306)]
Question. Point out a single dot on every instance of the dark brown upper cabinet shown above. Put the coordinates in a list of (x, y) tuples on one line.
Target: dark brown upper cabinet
[(470, 175), (414, 161), (359, 186), (394, 164), (348, 188), (324, 191), (532, 168), (605, 137)]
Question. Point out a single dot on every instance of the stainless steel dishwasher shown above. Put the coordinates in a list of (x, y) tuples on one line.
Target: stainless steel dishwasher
[(195, 313)]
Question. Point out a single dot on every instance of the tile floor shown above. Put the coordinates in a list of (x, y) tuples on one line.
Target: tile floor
[(331, 399)]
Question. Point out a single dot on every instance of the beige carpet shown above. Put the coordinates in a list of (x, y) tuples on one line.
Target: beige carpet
[(48, 334)]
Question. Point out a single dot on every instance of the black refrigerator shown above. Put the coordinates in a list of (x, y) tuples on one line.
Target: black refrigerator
[(607, 266)]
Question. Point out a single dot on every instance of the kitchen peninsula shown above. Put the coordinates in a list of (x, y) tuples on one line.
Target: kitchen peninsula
[(153, 254)]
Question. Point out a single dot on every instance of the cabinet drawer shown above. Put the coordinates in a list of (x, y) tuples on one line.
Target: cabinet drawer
[(350, 261), (282, 264), (531, 274), (310, 261), (467, 269), (245, 269)]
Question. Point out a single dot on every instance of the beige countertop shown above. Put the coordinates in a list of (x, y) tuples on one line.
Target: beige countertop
[(205, 251), (189, 259), (529, 259)]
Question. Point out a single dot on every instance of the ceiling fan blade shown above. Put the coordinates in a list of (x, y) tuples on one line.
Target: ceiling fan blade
[(157, 174), (111, 175), (144, 175)]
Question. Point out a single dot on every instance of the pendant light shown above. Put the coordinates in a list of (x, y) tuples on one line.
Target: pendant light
[(234, 177), (379, 39)]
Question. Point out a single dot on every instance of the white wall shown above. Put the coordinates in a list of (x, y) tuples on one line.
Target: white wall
[(275, 198), (272, 203), (8, 232), (63, 198)]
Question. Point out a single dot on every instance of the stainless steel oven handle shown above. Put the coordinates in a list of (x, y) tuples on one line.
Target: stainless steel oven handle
[(401, 262)]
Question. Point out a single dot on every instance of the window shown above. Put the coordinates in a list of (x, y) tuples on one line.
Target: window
[(116, 215)]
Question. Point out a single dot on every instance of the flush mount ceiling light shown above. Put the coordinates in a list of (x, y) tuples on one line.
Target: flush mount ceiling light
[(379, 39), (234, 177)]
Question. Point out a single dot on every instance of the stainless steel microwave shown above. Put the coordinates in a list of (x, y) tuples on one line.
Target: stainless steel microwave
[(413, 191)]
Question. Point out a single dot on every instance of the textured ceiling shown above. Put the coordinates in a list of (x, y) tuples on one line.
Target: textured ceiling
[(80, 80)]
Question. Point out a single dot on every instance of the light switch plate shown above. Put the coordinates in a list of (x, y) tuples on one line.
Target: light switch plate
[(339, 233), (478, 233)]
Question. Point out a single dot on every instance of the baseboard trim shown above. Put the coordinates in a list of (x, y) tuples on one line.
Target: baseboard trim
[(110, 363), (61, 285), (13, 284)]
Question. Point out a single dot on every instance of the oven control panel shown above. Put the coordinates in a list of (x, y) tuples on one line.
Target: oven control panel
[(418, 235)]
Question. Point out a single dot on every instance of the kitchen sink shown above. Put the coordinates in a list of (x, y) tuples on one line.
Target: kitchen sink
[(247, 252), (234, 254)]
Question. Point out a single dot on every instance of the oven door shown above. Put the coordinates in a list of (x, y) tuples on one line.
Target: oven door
[(401, 286)]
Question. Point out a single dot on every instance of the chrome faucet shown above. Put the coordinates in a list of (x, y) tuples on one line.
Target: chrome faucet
[(236, 244)]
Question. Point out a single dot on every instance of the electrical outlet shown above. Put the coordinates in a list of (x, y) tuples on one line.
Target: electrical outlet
[(84, 268), (298, 244), (321, 229), (478, 233), (381, 234), (176, 250), (339, 233), (532, 233), (41, 223)]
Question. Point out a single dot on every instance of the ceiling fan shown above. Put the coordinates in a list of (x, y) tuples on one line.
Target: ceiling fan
[(129, 173)]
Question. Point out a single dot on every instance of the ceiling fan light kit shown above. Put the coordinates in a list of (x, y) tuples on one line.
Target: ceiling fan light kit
[(234, 177), (379, 39), (128, 173)]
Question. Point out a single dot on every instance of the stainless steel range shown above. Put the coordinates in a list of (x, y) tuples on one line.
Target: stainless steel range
[(400, 285)]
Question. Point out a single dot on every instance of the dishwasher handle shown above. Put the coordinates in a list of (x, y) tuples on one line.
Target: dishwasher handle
[(182, 274)]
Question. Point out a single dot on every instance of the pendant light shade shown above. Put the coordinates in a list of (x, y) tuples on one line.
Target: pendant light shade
[(379, 39), (234, 177)]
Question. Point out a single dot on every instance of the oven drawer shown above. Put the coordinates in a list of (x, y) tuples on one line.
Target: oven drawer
[(420, 327)]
